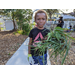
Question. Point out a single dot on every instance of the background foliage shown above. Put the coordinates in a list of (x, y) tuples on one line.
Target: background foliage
[(22, 16)]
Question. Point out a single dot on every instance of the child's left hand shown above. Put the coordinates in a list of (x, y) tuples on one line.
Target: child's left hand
[(29, 55), (30, 59)]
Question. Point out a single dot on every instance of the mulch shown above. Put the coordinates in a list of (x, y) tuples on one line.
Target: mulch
[(9, 43)]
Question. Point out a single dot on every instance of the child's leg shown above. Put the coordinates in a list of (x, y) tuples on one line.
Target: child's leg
[(41, 60), (35, 58)]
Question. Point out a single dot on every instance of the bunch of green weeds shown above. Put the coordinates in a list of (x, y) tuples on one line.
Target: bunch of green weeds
[(58, 41)]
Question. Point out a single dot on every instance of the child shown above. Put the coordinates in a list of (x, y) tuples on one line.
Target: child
[(36, 35)]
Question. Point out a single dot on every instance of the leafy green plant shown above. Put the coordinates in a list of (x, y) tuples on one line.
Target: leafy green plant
[(18, 31), (9, 54), (26, 28), (58, 41)]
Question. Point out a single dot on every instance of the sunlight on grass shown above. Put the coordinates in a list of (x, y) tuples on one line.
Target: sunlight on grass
[(1, 23), (2, 28), (18, 31)]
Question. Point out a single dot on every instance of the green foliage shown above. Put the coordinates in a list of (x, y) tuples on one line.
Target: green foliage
[(18, 31), (1, 11), (26, 28), (32, 25), (51, 11), (1, 23), (22, 16), (58, 41)]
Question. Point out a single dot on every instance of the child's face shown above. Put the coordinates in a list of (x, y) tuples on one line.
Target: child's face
[(40, 19)]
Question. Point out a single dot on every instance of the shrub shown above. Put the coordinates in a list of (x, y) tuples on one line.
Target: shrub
[(26, 28)]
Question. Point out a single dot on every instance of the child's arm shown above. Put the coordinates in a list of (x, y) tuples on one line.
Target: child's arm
[(30, 41)]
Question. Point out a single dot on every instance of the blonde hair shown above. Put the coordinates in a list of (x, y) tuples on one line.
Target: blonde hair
[(40, 11)]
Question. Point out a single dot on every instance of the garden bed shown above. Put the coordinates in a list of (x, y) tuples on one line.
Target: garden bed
[(9, 43)]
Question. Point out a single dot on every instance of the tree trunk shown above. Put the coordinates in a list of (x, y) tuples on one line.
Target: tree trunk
[(50, 15), (0, 28), (13, 21), (74, 12), (14, 25)]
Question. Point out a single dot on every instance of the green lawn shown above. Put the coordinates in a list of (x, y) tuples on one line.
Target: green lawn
[(2, 28), (18, 31)]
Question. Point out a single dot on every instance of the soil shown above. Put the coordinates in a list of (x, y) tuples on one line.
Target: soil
[(9, 43)]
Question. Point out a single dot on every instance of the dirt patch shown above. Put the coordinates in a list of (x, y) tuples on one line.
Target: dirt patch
[(9, 43)]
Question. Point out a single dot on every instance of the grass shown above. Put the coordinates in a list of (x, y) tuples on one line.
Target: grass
[(18, 31), (2, 28)]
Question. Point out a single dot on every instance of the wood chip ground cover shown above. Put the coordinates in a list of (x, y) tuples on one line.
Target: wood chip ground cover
[(9, 43)]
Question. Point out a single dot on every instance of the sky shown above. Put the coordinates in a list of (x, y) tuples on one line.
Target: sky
[(68, 10)]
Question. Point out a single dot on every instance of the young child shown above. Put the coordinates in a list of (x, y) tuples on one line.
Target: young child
[(36, 35)]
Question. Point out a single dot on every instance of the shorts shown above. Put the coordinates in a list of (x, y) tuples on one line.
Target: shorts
[(39, 59)]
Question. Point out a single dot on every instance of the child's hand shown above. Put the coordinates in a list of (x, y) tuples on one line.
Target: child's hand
[(30, 59), (29, 55), (44, 39)]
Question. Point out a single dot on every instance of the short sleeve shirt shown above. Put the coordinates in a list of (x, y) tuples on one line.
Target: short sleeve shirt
[(36, 35)]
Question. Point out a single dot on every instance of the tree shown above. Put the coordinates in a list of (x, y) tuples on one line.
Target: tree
[(74, 12), (7, 12), (63, 10), (22, 16), (1, 11), (0, 26), (51, 12)]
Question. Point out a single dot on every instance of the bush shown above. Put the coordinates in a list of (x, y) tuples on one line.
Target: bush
[(26, 28), (18, 31), (32, 25)]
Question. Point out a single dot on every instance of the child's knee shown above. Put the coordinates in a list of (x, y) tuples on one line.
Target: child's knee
[(35, 59)]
